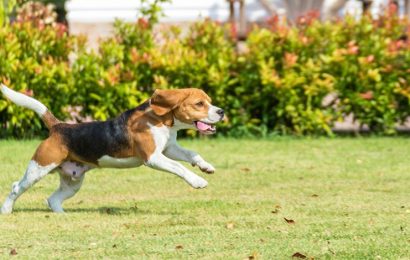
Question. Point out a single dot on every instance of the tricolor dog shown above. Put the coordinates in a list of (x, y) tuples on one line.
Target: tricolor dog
[(145, 135)]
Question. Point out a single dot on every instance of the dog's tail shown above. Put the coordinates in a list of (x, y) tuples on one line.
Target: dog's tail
[(30, 103)]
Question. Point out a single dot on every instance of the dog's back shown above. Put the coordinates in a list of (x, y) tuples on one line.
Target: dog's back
[(90, 141)]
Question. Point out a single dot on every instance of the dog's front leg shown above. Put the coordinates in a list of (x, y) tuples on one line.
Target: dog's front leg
[(161, 162), (176, 152)]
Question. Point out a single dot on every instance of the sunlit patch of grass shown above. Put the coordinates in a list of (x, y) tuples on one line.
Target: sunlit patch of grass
[(348, 198)]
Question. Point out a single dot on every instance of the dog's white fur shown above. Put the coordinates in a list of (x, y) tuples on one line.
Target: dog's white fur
[(167, 149), (68, 188), (33, 174), (24, 101)]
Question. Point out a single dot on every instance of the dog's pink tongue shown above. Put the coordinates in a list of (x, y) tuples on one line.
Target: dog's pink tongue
[(202, 126)]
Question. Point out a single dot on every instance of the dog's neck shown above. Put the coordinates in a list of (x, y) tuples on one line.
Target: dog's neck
[(178, 125)]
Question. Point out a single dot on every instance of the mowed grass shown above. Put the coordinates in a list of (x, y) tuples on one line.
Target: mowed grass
[(349, 199)]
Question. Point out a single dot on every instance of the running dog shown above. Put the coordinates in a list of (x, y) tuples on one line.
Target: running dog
[(145, 135)]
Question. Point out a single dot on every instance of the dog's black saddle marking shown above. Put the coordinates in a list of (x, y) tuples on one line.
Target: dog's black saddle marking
[(93, 140)]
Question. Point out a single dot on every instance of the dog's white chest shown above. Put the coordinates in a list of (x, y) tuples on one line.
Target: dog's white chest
[(111, 162), (161, 136)]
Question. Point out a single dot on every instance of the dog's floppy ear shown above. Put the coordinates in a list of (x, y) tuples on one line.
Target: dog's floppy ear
[(164, 101)]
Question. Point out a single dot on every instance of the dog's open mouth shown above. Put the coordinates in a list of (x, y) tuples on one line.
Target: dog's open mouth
[(205, 128)]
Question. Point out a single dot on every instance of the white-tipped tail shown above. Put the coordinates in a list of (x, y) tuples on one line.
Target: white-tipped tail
[(24, 101)]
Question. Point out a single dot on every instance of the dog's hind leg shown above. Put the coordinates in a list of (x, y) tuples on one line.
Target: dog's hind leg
[(68, 187), (33, 174), (47, 157)]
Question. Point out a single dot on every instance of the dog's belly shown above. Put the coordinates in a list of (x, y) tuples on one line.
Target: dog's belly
[(111, 162), (73, 169)]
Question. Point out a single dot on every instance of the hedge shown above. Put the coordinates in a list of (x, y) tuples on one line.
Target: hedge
[(290, 79)]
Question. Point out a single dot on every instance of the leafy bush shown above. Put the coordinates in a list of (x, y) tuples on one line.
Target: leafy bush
[(282, 82), (369, 63), (34, 60), (361, 65), (293, 80)]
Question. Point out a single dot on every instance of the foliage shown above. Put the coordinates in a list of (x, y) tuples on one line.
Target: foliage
[(369, 59), (37, 13), (34, 59), (152, 10), (6, 7), (281, 71), (309, 76), (289, 80)]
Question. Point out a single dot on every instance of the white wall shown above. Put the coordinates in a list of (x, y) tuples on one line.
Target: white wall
[(106, 11), (94, 11), (94, 18)]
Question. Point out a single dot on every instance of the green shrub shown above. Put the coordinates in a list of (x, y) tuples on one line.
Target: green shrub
[(34, 61), (362, 63), (289, 80), (368, 63), (282, 84)]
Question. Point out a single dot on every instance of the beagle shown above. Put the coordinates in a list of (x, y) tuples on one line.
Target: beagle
[(145, 135)]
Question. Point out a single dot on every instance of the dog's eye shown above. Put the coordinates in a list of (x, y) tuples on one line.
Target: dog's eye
[(200, 104)]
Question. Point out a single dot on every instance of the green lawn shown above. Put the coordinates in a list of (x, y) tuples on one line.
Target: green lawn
[(348, 198)]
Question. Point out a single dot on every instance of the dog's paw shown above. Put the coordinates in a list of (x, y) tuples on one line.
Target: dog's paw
[(206, 167), (54, 205), (7, 208), (197, 182), (5, 211)]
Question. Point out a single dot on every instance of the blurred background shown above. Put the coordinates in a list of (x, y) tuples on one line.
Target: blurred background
[(95, 17)]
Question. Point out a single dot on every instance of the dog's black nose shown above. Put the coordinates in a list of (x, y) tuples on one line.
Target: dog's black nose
[(220, 112)]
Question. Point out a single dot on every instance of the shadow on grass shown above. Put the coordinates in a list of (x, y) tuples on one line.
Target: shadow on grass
[(104, 211), (31, 210)]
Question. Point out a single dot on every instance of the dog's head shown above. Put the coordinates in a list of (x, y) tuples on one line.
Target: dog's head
[(189, 106)]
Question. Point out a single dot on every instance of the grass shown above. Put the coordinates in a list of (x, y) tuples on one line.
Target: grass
[(348, 198)]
